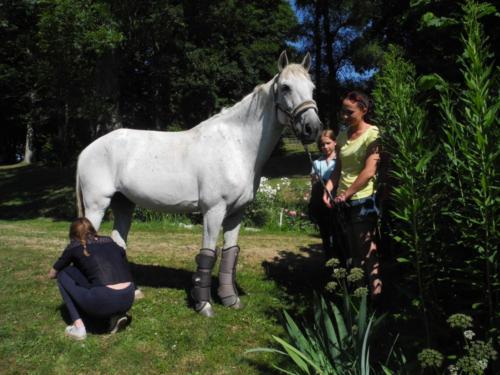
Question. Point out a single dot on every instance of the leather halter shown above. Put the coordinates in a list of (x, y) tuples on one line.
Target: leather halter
[(294, 113)]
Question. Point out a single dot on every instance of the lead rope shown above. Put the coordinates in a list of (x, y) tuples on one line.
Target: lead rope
[(317, 172)]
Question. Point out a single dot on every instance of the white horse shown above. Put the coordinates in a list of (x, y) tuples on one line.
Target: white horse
[(214, 168)]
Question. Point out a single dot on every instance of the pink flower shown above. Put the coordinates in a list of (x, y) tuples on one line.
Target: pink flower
[(292, 213)]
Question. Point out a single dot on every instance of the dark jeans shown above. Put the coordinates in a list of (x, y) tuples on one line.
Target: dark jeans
[(322, 216), (357, 221), (97, 301)]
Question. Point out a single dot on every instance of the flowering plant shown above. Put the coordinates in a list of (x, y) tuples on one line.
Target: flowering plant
[(477, 353)]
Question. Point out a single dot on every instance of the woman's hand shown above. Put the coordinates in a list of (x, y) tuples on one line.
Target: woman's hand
[(52, 273), (326, 199), (340, 198)]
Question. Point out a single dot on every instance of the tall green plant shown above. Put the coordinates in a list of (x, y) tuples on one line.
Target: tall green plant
[(337, 341), (471, 133), (407, 140)]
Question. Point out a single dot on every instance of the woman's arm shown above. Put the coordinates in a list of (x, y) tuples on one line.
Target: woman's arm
[(367, 173), (65, 259)]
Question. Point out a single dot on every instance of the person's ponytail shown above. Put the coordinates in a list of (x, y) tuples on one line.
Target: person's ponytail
[(82, 230)]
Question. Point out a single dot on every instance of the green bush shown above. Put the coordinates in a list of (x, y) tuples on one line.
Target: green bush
[(336, 341), (280, 205)]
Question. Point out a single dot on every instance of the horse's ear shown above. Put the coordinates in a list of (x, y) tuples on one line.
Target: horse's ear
[(306, 63), (282, 61)]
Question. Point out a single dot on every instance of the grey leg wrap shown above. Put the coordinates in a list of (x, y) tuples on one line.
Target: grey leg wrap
[(202, 278), (227, 275)]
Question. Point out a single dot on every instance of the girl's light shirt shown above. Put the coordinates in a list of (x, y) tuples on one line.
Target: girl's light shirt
[(323, 167), (353, 157)]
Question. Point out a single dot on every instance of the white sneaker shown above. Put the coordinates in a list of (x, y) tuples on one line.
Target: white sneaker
[(138, 294), (76, 333)]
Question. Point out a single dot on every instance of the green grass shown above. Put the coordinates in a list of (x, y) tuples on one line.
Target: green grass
[(166, 335)]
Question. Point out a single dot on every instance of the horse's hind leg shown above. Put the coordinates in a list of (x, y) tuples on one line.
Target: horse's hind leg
[(123, 209), (227, 290), (95, 210)]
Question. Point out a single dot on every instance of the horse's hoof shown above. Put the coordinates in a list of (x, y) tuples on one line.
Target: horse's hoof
[(206, 310), (237, 305), (138, 294), (233, 302)]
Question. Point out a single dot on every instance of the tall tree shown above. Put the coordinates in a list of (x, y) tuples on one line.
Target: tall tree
[(336, 33), (97, 65), (73, 38), (17, 112), (429, 33)]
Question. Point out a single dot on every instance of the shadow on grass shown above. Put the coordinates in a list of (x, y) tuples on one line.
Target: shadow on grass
[(172, 278), (298, 275), (33, 191)]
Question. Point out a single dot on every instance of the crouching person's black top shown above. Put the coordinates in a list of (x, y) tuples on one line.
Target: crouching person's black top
[(106, 263)]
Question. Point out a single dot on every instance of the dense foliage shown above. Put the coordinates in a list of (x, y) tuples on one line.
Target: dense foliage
[(72, 70), (443, 205)]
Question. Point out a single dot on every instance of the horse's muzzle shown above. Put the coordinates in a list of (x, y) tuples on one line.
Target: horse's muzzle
[(310, 128)]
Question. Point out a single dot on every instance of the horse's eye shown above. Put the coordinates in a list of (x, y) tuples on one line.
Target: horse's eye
[(285, 88)]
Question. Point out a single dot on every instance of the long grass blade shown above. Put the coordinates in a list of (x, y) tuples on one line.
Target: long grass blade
[(362, 319), (264, 350), (296, 333), (365, 353), (300, 359)]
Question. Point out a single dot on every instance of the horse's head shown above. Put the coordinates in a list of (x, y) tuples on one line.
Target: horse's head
[(293, 98)]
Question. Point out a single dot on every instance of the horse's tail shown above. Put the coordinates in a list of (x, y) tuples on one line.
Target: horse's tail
[(79, 197)]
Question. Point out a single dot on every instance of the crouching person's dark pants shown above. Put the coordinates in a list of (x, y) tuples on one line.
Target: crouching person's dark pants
[(97, 301)]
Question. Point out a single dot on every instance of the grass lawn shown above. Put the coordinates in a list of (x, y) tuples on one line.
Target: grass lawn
[(166, 335), (275, 271)]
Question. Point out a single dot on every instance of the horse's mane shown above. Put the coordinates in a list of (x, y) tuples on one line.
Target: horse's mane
[(258, 97)]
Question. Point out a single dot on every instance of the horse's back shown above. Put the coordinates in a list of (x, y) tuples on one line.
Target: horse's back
[(151, 168)]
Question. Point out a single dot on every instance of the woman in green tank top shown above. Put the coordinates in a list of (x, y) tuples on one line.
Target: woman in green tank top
[(353, 179)]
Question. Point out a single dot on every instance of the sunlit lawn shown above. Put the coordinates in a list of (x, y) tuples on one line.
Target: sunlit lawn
[(275, 271)]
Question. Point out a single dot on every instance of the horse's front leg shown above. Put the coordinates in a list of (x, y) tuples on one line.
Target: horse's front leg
[(205, 260), (227, 290)]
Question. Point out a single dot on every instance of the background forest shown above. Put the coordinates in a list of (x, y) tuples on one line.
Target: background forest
[(73, 70)]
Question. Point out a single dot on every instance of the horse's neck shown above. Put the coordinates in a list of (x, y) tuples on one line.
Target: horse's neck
[(253, 123)]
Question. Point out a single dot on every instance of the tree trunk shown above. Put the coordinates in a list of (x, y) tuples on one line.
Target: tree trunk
[(28, 148)]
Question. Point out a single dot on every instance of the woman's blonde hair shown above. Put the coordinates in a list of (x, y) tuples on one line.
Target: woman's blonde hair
[(82, 230)]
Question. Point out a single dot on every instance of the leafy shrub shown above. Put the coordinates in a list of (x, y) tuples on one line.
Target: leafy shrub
[(282, 205), (335, 342), (475, 355)]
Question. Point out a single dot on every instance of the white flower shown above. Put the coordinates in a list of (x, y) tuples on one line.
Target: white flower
[(453, 369), (469, 335), (482, 363)]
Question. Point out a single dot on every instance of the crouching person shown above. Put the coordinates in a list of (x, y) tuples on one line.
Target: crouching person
[(94, 277)]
